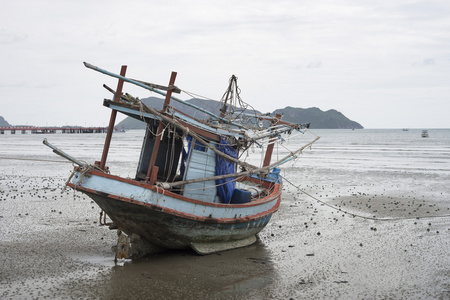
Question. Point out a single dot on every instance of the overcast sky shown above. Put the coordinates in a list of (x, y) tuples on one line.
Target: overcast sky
[(384, 63)]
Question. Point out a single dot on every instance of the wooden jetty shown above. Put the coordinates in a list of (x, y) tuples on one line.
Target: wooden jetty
[(49, 130)]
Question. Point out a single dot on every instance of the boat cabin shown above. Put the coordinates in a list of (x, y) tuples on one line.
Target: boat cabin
[(180, 158), (198, 157)]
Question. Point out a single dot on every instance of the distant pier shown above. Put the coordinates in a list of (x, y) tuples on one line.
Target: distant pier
[(48, 130)]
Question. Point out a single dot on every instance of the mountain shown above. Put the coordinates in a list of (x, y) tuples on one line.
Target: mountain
[(3, 122), (331, 119)]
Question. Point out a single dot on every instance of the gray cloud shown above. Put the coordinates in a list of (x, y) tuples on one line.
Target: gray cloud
[(332, 54), (10, 37)]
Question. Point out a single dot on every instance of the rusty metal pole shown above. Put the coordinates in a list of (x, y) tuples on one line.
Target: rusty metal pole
[(112, 119), (152, 171), (269, 150)]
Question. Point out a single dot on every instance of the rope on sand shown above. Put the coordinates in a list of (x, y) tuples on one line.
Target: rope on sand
[(357, 215), (35, 159)]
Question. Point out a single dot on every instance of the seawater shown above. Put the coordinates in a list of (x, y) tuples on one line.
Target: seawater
[(347, 150), (382, 149)]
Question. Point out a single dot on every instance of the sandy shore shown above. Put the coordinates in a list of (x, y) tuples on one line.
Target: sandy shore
[(53, 246)]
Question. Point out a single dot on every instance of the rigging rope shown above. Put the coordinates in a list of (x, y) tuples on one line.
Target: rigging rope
[(241, 104)]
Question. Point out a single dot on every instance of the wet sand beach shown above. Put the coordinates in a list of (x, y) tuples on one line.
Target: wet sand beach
[(342, 234)]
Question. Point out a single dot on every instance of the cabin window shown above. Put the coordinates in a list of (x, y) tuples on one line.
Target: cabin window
[(197, 145)]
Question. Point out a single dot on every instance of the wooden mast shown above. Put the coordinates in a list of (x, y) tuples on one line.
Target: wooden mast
[(269, 150), (112, 119), (152, 171), (229, 90)]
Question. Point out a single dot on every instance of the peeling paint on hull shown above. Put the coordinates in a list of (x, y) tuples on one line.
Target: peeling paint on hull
[(173, 232), (152, 215)]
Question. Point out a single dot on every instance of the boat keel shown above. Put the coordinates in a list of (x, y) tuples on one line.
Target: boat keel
[(212, 247)]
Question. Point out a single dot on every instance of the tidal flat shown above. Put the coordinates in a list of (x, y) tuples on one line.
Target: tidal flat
[(347, 228)]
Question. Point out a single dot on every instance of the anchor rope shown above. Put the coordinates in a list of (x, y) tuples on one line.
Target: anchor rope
[(35, 159), (358, 215)]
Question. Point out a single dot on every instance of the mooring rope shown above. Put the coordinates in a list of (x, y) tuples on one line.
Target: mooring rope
[(83, 173), (357, 215), (35, 159)]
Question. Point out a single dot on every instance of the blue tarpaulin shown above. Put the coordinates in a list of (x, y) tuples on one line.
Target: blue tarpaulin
[(225, 186)]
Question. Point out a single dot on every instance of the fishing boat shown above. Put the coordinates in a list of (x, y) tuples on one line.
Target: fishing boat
[(193, 186), (424, 133)]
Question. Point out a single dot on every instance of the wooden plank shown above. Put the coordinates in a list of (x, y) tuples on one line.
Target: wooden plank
[(112, 119), (161, 126), (173, 88), (269, 150), (204, 133)]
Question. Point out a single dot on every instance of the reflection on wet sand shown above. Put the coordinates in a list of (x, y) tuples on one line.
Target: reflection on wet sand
[(234, 274)]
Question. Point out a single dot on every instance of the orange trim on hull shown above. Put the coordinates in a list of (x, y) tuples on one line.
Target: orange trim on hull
[(276, 190), (185, 215)]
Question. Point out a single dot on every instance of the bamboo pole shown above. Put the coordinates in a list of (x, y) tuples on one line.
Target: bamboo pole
[(150, 88), (239, 174)]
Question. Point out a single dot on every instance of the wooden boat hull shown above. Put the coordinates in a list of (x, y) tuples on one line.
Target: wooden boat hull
[(168, 220), (185, 194)]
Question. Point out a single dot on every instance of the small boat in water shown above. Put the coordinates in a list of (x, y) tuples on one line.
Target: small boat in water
[(424, 133), (192, 186)]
